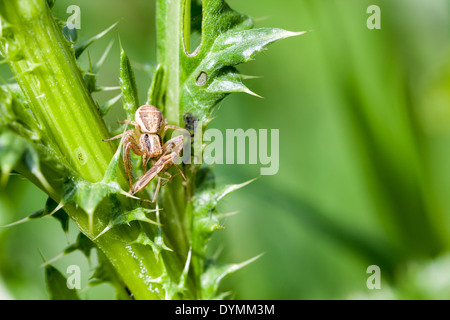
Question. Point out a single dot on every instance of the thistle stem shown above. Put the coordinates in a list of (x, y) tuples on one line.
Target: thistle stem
[(46, 70)]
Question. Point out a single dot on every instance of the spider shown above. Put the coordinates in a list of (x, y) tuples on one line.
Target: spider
[(145, 140)]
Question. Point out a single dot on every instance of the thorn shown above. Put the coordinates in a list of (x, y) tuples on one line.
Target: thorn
[(248, 77), (250, 92), (234, 188), (103, 232), (16, 223), (46, 263), (219, 250), (261, 18), (80, 49), (247, 262), (186, 269), (91, 221), (298, 33), (100, 89), (42, 256), (102, 59), (228, 214), (60, 205), (129, 195)]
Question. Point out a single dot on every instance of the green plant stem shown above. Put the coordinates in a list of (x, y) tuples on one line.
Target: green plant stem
[(169, 23), (52, 83), (174, 19)]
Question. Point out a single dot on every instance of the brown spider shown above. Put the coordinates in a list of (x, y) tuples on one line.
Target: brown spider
[(146, 140)]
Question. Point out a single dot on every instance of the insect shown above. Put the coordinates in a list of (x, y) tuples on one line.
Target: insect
[(145, 140)]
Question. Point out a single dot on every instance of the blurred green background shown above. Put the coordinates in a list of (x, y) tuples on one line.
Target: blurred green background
[(364, 120)]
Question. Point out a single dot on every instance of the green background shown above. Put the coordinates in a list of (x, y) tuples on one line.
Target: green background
[(364, 122)]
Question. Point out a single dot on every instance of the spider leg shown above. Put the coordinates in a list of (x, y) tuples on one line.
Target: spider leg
[(182, 174), (166, 180), (169, 126), (174, 145), (144, 162), (158, 186), (134, 123), (129, 145), (127, 161), (118, 136)]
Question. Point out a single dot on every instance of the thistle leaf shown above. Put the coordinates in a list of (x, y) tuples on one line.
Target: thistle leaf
[(82, 244), (12, 149), (79, 48), (157, 89), (208, 199), (214, 274), (128, 85), (105, 107), (208, 75)]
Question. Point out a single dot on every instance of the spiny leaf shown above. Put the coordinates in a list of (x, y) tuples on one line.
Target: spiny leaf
[(102, 59), (208, 75), (83, 244), (157, 89), (88, 195), (71, 34), (204, 179), (128, 85), (79, 48), (229, 82), (51, 3), (51, 209), (12, 149), (33, 164), (90, 78), (157, 244), (208, 199), (105, 107), (214, 274), (138, 214)]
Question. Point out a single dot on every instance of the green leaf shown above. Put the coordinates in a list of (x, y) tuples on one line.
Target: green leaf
[(157, 89), (138, 214), (90, 78), (214, 274), (79, 48), (205, 77), (208, 199), (128, 85), (83, 243), (106, 106), (51, 209), (12, 148), (212, 75), (70, 34)]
